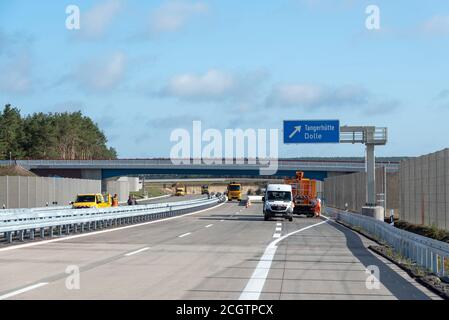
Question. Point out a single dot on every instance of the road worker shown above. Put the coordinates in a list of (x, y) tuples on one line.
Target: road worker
[(115, 200), (317, 208)]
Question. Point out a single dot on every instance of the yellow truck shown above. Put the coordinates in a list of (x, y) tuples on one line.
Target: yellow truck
[(92, 200), (234, 191), (205, 189), (180, 191)]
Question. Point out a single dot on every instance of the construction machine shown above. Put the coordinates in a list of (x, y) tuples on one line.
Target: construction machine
[(304, 193)]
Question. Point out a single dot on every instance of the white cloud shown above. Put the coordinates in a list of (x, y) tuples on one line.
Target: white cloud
[(437, 25), (173, 15), (101, 74), (213, 85), (316, 96), (96, 21)]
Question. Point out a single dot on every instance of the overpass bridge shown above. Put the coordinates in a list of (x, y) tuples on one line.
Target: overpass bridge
[(105, 169)]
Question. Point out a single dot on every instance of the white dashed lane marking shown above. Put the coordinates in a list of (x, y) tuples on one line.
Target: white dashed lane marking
[(185, 235), (136, 252)]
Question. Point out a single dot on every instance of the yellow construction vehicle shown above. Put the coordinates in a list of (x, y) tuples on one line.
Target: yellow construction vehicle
[(235, 191), (180, 191), (205, 189), (92, 200)]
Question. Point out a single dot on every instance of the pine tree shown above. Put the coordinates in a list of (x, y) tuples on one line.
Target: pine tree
[(65, 136)]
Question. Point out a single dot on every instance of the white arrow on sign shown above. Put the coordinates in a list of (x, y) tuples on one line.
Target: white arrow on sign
[(297, 130)]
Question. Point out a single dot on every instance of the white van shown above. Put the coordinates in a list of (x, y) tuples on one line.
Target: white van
[(278, 201)]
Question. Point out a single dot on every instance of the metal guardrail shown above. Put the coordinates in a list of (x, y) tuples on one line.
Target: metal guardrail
[(29, 210), (22, 226), (428, 253)]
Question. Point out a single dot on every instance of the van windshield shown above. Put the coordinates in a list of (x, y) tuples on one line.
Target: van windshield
[(234, 188), (85, 199), (279, 196)]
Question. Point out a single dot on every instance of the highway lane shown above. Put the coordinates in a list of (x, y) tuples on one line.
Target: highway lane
[(209, 255), (330, 261)]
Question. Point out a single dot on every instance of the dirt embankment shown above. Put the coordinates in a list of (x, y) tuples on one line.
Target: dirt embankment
[(15, 171)]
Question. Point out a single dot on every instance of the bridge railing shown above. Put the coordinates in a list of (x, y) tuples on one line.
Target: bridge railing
[(431, 254), (24, 225), (282, 163)]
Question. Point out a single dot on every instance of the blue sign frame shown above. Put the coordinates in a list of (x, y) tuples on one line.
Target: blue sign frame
[(311, 131)]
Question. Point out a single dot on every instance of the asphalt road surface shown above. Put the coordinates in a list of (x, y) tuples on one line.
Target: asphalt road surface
[(222, 253)]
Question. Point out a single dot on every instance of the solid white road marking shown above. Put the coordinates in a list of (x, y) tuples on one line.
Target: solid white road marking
[(27, 245), (256, 283), (136, 252), (221, 220), (23, 290), (208, 226), (185, 235)]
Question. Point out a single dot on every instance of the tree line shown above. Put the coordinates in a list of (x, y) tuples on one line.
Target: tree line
[(51, 136)]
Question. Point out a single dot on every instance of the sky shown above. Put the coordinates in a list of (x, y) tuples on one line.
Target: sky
[(141, 69)]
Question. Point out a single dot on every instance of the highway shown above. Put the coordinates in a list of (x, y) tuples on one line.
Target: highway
[(226, 252)]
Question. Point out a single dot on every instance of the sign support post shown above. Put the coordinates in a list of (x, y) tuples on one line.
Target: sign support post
[(329, 131)]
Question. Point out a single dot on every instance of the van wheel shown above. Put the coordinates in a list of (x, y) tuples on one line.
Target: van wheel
[(266, 217)]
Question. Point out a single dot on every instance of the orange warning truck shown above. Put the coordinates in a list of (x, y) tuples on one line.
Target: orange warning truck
[(304, 194)]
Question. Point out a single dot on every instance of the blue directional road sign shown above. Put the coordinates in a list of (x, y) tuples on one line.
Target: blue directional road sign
[(311, 131)]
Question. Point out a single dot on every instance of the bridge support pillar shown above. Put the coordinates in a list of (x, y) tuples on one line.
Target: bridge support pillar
[(370, 176)]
